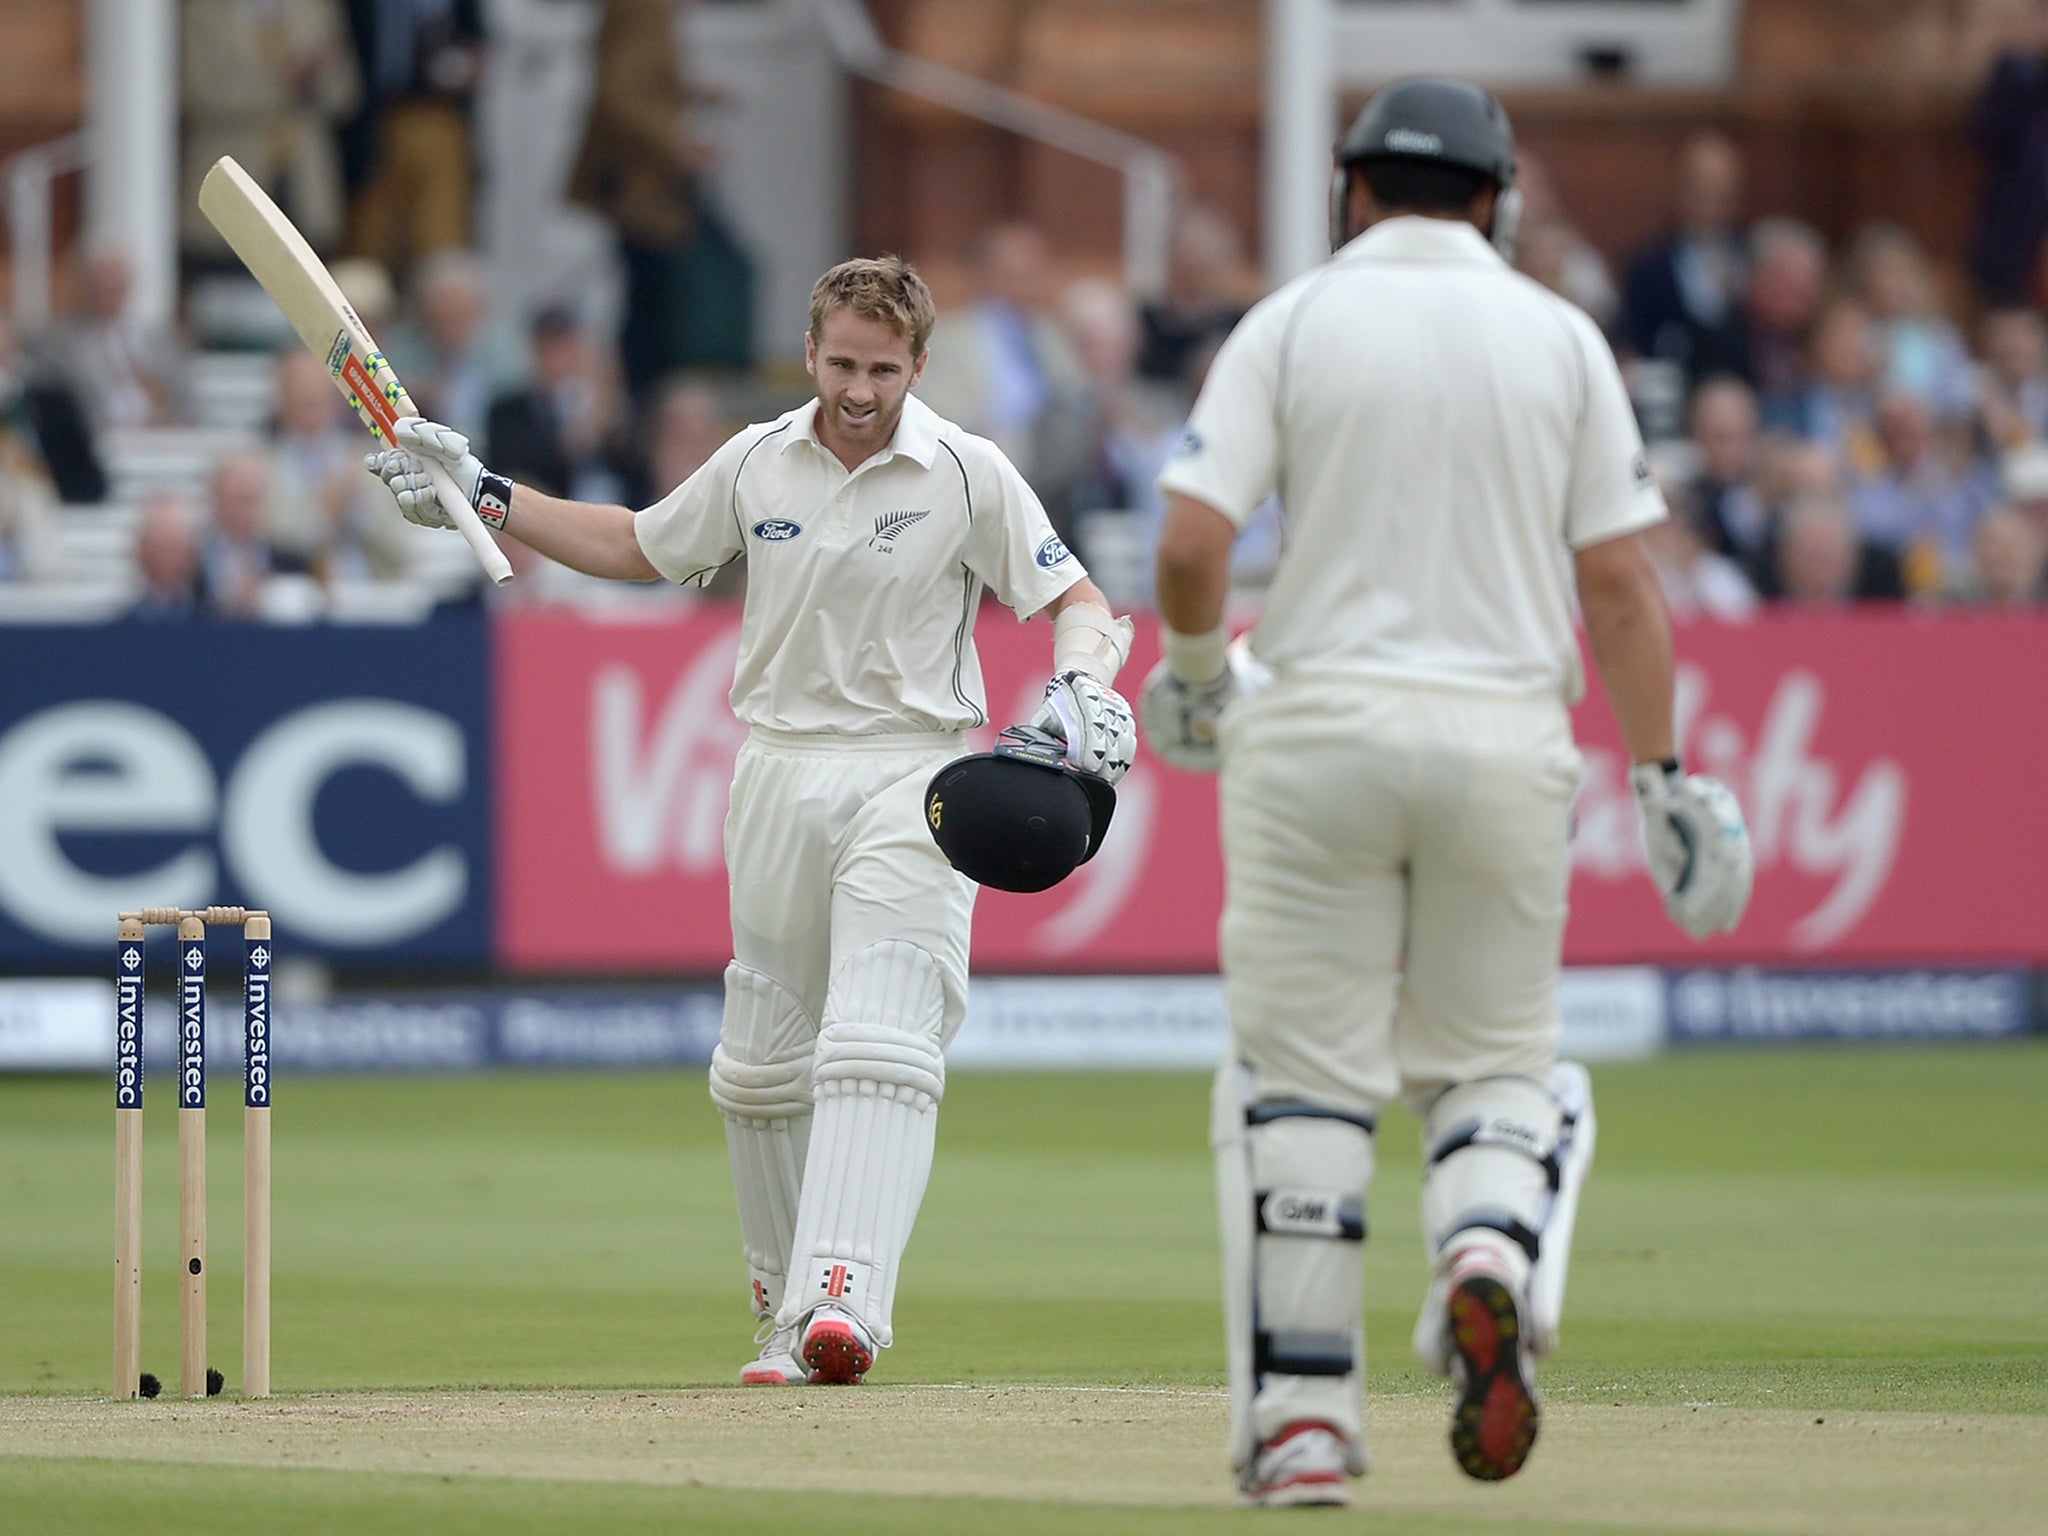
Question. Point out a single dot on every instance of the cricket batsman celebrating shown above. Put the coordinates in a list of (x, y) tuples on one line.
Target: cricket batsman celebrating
[(870, 527), (1456, 454)]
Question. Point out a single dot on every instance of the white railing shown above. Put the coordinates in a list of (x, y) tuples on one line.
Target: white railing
[(1151, 176), (31, 177)]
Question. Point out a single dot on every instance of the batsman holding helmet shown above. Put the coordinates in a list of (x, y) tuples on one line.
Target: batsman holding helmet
[(1456, 453), (870, 527)]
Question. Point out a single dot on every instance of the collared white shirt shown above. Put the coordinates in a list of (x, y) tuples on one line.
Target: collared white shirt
[(862, 587), (1443, 433)]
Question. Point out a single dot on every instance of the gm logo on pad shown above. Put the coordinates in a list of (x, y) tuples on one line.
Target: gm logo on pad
[(777, 529), (1051, 552)]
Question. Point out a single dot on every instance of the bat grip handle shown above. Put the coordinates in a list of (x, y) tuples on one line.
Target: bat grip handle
[(468, 524)]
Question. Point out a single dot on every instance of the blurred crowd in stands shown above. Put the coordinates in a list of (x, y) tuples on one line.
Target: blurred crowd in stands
[(1831, 422)]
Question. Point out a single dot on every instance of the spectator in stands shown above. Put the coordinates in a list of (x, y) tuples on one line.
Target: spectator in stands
[(1203, 301), (1792, 472), (1105, 440), (2010, 126), (689, 425), (167, 558), (1732, 516), (1918, 504), (269, 82), (407, 155), (567, 433), (1924, 352), (1788, 272), (2012, 382), (1696, 579), (453, 357), (127, 374), (1818, 557), (2007, 560), (1838, 406), (1551, 249), (1682, 299), (1000, 361), (328, 514), (689, 285), (237, 561), (47, 452)]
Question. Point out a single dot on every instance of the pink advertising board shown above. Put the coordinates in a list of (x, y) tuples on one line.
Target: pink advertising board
[(1890, 763)]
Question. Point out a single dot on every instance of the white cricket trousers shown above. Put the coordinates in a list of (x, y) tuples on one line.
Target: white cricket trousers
[(1396, 871), (827, 853)]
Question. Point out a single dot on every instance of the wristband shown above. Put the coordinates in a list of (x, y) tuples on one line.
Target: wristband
[(493, 498), (1196, 658), (1086, 639)]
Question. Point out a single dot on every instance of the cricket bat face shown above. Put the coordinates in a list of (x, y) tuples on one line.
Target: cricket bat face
[(278, 257)]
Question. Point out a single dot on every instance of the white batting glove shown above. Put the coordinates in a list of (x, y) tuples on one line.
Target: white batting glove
[(1181, 717), (406, 478), (1093, 720), (403, 468), (1697, 845)]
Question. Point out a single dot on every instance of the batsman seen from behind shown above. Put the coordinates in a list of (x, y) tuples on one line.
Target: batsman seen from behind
[(1456, 452), (870, 527)]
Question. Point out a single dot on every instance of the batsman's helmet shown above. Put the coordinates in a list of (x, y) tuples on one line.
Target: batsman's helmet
[(1434, 121), (1020, 818)]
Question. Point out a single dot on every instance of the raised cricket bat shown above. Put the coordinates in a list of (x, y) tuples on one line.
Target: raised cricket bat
[(278, 257)]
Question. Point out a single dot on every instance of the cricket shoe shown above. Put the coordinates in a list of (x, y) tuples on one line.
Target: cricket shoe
[(836, 1348), (1494, 1422), (777, 1365), (1303, 1464)]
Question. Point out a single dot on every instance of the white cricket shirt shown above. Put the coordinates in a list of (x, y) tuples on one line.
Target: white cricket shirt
[(862, 587), (1442, 432)]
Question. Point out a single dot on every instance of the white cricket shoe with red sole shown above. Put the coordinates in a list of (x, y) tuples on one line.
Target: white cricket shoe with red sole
[(1303, 1464), (836, 1348), (1494, 1422), (777, 1365)]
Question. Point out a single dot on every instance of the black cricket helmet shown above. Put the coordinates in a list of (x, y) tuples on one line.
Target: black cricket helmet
[(1432, 120), (1020, 818)]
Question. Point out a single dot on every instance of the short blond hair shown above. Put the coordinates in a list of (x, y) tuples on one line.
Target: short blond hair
[(884, 288)]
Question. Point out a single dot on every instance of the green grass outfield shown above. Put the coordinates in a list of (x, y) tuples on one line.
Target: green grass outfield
[(1810, 1294)]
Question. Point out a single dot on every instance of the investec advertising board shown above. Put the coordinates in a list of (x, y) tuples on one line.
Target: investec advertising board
[(335, 776), (1889, 762)]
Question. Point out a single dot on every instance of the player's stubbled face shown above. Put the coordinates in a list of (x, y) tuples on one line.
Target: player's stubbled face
[(864, 369)]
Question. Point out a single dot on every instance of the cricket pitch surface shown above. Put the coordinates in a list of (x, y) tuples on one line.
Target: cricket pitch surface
[(1694, 1467)]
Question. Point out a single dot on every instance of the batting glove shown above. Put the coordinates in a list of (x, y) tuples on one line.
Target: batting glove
[(1181, 717), (1697, 845), (1093, 720), (403, 470)]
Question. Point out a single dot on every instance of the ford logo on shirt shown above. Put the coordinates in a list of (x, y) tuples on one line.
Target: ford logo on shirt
[(1051, 552), (776, 529)]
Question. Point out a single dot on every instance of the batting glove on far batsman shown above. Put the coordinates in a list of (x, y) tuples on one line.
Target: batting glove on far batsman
[(1181, 717), (1093, 720), (403, 473), (1697, 844)]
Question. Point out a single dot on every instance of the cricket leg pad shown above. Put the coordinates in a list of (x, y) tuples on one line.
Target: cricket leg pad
[(761, 1083), (1291, 1179), (1490, 1184), (878, 1076)]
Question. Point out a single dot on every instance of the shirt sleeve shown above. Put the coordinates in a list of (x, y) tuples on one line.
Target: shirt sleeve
[(1011, 545), (1229, 455), (695, 528), (1611, 491)]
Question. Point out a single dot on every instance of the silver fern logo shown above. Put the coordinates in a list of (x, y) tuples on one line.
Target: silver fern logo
[(889, 525)]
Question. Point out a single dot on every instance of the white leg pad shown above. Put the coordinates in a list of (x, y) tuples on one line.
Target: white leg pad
[(1576, 1136), (761, 1083), (1491, 1181), (1291, 1180), (878, 1075)]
